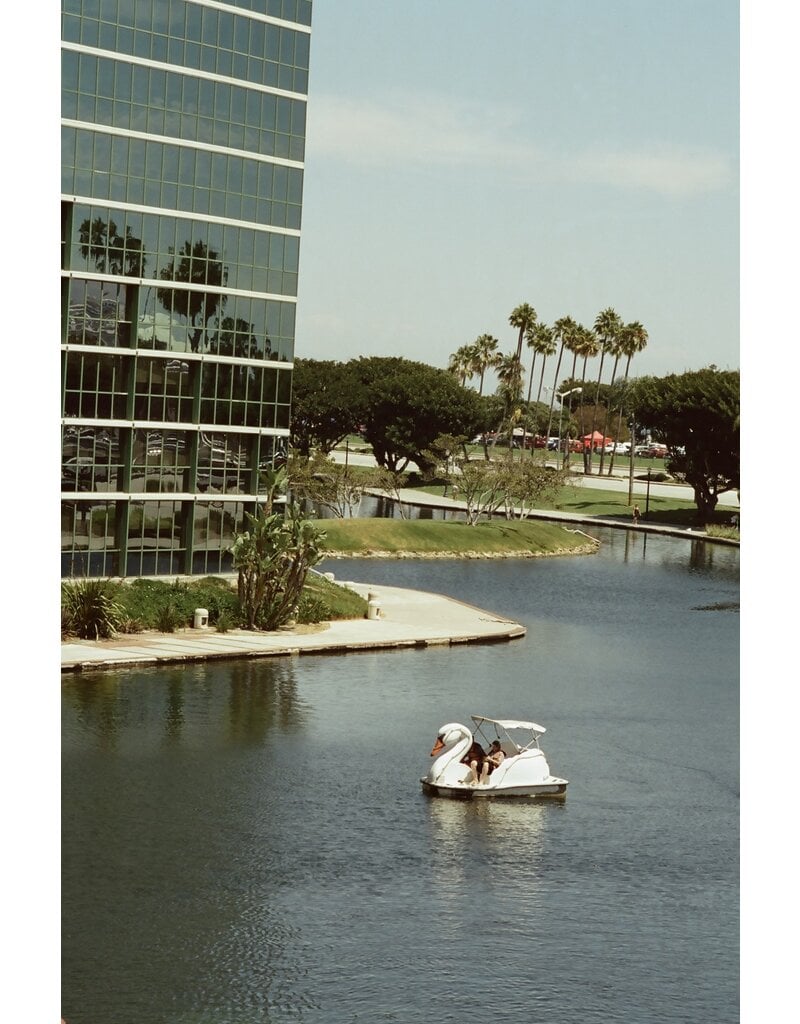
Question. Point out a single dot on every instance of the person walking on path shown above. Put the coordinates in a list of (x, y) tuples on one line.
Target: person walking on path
[(636, 515)]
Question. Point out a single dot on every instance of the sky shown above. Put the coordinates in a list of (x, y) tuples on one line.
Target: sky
[(464, 157)]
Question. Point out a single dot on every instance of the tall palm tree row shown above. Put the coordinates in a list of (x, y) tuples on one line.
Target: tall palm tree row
[(609, 336), (633, 340)]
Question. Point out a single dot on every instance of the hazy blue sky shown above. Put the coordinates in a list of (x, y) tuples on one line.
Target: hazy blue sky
[(464, 156)]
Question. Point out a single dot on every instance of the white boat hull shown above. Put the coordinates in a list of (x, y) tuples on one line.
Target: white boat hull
[(551, 788)]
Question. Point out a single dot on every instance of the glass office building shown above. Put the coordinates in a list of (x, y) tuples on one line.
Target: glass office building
[(183, 135)]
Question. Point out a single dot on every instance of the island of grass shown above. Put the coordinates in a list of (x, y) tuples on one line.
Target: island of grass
[(428, 538)]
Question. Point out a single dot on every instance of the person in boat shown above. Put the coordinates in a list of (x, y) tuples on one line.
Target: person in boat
[(494, 758), (474, 757)]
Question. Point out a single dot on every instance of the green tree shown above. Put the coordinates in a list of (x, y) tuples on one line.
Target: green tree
[(530, 485), (485, 353), (461, 364), (330, 485), (523, 317), (481, 486), (696, 415), (540, 339), (607, 326), (564, 330), (632, 341), (328, 402), (407, 405), (272, 559), (509, 390)]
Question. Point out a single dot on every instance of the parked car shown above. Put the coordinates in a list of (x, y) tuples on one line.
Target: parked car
[(622, 448)]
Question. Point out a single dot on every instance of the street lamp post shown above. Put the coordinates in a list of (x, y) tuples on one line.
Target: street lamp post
[(632, 455), (574, 391)]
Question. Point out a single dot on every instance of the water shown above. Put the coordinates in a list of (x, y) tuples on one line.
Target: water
[(248, 842)]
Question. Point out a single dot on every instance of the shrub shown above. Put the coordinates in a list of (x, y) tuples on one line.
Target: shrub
[(168, 618), (225, 621), (90, 609), (313, 608), (130, 624)]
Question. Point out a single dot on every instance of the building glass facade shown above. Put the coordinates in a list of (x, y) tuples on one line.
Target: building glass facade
[(183, 137)]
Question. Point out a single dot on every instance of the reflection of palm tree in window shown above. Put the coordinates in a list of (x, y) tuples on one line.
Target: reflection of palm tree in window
[(111, 253), (236, 337), (198, 265)]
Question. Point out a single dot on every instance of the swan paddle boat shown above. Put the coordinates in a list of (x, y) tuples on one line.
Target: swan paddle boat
[(523, 772)]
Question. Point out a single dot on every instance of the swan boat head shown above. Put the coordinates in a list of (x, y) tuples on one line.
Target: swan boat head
[(452, 742)]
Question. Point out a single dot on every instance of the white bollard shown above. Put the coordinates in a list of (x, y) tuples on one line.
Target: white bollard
[(201, 618)]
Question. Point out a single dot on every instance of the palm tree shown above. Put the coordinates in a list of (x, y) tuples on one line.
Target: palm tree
[(522, 317), (461, 364), (485, 353), (509, 387), (607, 326), (632, 341), (545, 345), (563, 329), (615, 348), (587, 347), (540, 339)]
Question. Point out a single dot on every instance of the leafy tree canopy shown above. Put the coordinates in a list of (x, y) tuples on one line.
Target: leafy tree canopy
[(408, 405), (328, 403), (696, 415)]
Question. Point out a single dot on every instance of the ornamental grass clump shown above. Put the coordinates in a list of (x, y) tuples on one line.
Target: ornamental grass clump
[(90, 609)]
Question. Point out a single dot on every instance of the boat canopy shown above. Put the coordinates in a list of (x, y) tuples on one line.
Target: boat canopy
[(509, 723)]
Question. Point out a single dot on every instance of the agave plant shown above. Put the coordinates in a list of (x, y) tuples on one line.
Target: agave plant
[(90, 608)]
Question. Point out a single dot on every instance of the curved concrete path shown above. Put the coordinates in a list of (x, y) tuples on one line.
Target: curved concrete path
[(408, 618)]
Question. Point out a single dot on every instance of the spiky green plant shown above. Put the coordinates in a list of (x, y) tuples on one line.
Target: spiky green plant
[(91, 609)]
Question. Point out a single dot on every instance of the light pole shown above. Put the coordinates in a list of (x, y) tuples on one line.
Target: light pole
[(632, 426), (574, 391)]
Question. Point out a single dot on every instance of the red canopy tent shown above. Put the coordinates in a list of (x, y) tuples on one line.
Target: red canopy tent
[(596, 440)]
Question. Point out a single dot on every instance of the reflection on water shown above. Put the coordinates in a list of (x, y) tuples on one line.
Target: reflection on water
[(247, 841), (509, 836), (259, 697)]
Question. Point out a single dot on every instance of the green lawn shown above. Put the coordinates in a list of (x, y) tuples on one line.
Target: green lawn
[(437, 537)]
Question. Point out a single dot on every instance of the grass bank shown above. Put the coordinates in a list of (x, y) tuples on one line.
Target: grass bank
[(427, 538)]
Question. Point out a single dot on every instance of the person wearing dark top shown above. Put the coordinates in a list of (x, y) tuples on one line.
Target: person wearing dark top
[(494, 758), (474, 758)]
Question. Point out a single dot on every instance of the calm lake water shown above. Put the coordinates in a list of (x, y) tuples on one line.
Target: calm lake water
[(247, 841)]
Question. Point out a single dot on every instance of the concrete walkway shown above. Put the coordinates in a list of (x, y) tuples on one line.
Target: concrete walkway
[(408, 618)]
